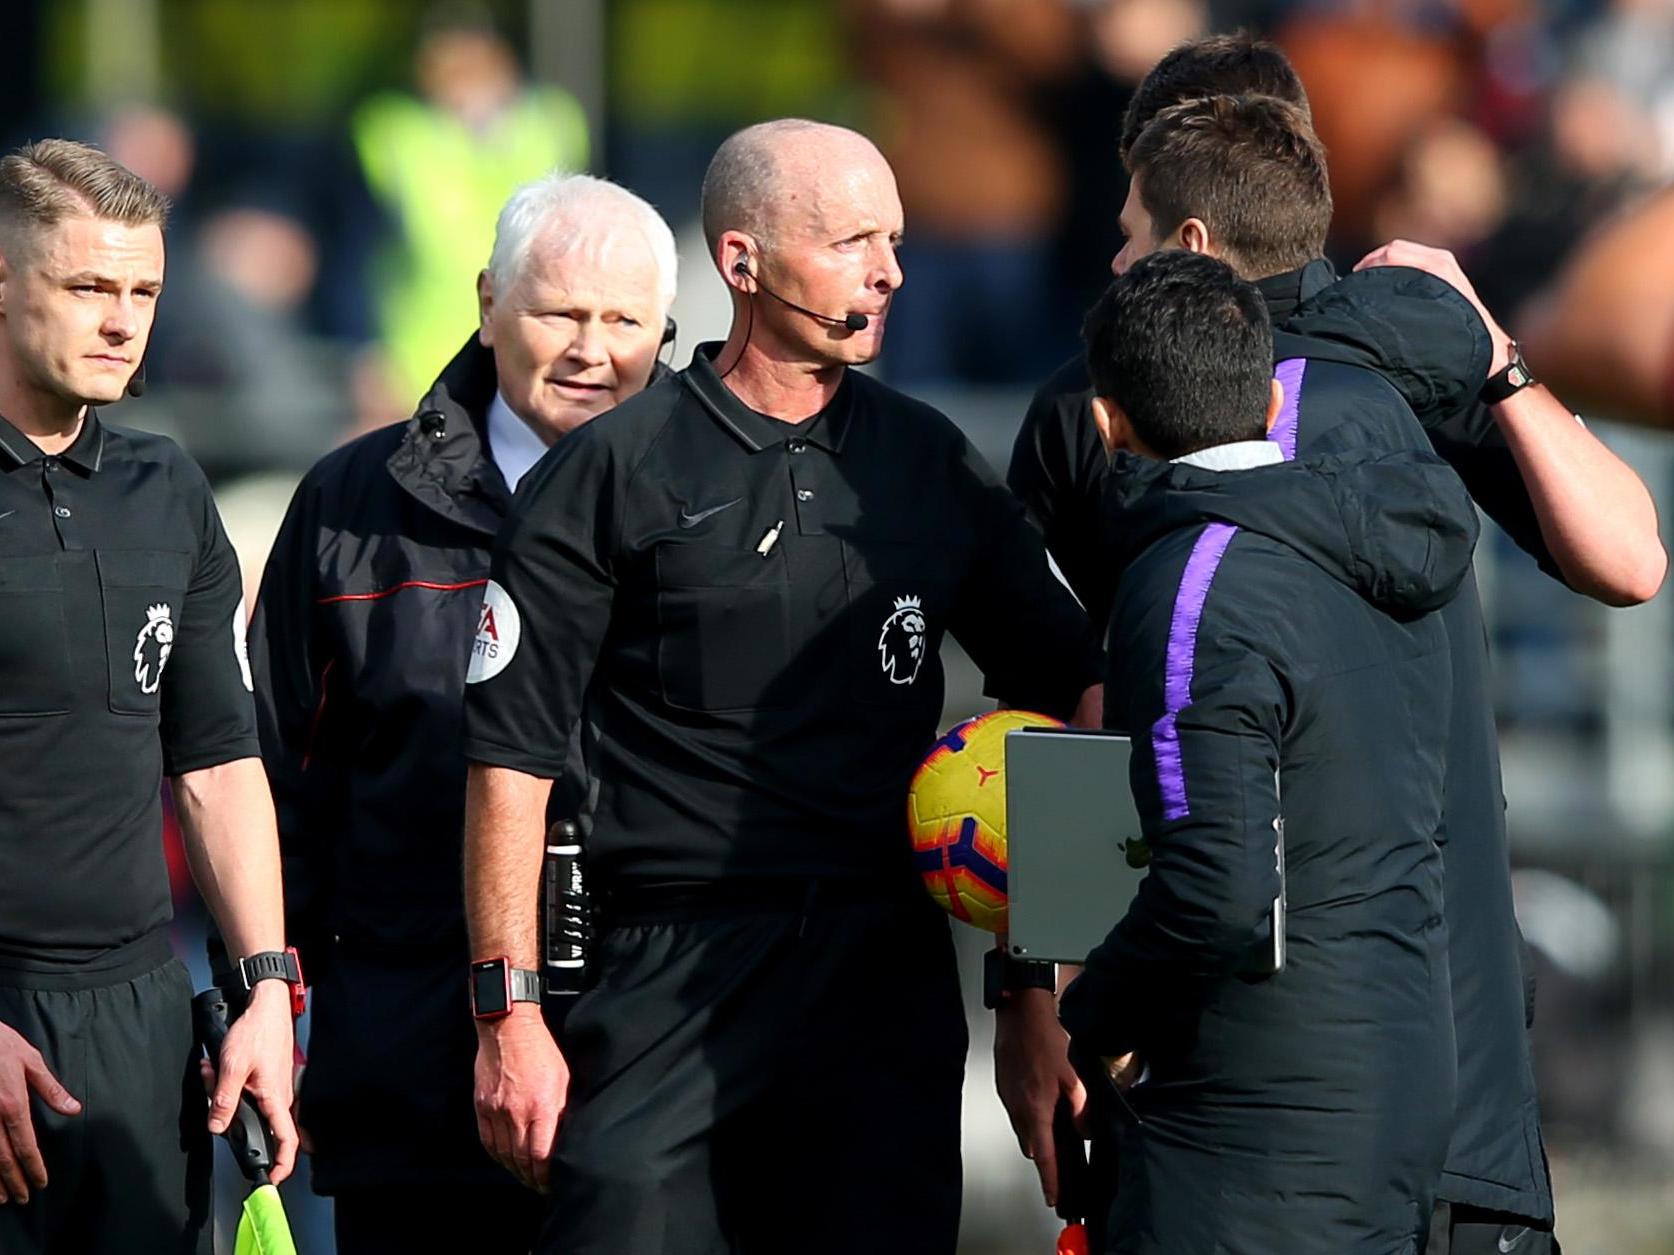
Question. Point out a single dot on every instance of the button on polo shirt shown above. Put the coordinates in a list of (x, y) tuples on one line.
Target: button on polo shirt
[(741, 619), (120, 658)]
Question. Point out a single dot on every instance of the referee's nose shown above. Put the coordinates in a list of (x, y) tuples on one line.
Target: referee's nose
[(888, 275), (122, 320)]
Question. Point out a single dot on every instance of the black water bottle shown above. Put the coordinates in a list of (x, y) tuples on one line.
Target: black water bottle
[(567, 911)]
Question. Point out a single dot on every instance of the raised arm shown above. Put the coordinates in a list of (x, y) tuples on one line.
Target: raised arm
[(1594, 513)]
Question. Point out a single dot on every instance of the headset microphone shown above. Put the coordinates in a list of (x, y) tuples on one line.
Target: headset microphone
[(136, 383), (854, 322)]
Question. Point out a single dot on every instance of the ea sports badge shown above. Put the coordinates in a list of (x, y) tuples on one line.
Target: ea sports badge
[(498, 630)]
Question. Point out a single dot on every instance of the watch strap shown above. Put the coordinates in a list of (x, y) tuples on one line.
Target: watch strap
[(525, 985), (270, 965), (1003, 975), (283, 965), (1508, 381)]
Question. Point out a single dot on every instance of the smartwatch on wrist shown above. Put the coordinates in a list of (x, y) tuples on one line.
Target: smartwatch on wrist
[(496, 985), (1509, 380), (283, 965), (1003, 976)]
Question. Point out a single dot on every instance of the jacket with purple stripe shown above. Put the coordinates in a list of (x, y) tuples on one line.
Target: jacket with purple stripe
[(1275, 634), (1383, 359)]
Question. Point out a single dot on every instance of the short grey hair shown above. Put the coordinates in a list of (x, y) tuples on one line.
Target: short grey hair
[(740, 188), (585, 212)]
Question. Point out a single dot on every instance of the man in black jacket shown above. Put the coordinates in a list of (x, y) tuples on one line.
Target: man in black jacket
[(1274, 651), (1361, 357), (368, 609)]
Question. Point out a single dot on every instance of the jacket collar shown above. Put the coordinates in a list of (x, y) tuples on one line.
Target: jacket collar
[(1284, 292), (442, 460)]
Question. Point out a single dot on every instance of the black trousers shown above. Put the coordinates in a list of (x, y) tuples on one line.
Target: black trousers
[(765, 1080), (1459, 1230), (131, 1172), (400, 1220)]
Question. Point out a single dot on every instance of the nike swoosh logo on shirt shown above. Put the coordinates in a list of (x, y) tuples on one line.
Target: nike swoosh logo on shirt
[(692, 520), (1518, 1234), (8, 514)]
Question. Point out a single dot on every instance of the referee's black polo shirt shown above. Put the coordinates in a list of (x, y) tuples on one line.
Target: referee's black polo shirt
[(741, 618), (121, 657)]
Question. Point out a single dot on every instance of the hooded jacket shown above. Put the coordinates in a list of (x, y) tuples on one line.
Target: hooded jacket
[(1381, 360), (1275, 648), (359, 643)]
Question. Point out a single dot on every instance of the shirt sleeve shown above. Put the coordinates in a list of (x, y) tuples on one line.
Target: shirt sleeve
[(291, 668), (1057, 471), (1016, 619), (546, 610), (1205, 780), (208, 716)]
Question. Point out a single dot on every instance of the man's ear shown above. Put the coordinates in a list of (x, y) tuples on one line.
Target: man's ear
[(1195, 238), (735, 254), (1275, 403), (485, 309), (1114, 428)]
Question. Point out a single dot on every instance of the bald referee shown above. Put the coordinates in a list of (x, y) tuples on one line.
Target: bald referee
[(731, 591)]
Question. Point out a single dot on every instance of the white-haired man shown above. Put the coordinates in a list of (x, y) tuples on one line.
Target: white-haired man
[(746, 573), (368, 610)]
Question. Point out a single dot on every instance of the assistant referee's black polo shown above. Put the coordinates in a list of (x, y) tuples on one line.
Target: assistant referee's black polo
[(121, 657), (742, 618)]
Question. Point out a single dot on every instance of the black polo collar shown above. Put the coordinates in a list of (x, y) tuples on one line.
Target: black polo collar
[(86, 452), (1284, 292), (757, 431)]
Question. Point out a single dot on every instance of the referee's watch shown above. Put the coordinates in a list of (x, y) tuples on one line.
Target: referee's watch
[(1509, 380), (283, 965), (496, 985), (1003, 976)]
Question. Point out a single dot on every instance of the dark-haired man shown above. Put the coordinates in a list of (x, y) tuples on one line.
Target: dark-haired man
[(1244, 178), (1273, 636)]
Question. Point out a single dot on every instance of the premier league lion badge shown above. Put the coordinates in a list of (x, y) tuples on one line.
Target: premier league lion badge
[(153, 646), (901, 643)]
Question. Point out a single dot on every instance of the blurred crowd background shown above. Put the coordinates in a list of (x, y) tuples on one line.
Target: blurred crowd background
[(336, 167)]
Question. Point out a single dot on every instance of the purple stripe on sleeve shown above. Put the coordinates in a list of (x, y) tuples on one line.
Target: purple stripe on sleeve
[(1200, 570), (1289, 375)]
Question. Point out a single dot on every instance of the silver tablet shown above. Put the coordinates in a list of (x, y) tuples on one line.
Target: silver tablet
[(1074, 849)]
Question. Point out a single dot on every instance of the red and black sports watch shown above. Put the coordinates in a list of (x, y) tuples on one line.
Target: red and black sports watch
[(285, 965), (496, 984)]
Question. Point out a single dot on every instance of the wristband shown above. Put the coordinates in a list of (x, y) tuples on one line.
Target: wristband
[(1510, 380), (1003, 976), (283, 965)]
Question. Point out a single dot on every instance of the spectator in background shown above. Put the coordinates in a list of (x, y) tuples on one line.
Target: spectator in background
[(1604, 332), (1376, 78), (965, 124), (1122, 40), (440, 165), (251, 388)]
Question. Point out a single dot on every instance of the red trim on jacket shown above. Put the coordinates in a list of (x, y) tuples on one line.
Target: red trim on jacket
[(442, 588)]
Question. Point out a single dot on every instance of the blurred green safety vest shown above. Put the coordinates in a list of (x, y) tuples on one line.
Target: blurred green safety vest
[(443, 184)]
